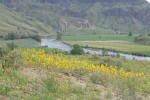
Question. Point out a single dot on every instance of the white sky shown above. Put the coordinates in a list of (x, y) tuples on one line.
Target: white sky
[(148, 1)]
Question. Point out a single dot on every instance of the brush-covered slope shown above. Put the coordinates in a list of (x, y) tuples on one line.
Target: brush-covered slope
[(13, 22), (102, 16)]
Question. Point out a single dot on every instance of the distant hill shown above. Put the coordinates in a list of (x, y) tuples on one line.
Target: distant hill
[(87, 16), (13, 22)]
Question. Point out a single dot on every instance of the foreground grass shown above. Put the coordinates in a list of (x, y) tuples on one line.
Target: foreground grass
[(26, 83), (36, 83), (130, 65), (38, 75)]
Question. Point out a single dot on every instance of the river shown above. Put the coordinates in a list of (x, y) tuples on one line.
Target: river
[(52, 43)]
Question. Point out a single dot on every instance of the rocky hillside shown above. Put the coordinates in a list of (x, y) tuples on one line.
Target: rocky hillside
[(102, 16)]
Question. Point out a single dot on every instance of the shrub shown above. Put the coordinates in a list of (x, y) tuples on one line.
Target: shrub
[(36, 37), (104, 52), (118, 55), (10, 36), (130, 34), (1, 36), (3, 51), (12, 59), (142, 39), (59, 36), (23, 37), (11, 46), (77, 50), (56, 51)]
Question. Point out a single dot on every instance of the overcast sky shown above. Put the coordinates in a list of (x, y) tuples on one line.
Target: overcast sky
[(148, 1)]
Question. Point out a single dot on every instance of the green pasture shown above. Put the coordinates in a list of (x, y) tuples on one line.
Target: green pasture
[(98, 38), (21, 42)]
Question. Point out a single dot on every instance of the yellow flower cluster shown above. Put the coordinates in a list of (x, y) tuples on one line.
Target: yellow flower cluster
[(58, 61)]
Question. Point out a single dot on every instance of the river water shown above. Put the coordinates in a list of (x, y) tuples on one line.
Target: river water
[(52, 43)]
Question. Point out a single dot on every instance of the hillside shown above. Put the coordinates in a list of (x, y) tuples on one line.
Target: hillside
[(43, 74), (87, 16), (10, 21)]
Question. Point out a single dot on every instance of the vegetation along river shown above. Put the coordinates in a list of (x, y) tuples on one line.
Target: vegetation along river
[(52, 43)]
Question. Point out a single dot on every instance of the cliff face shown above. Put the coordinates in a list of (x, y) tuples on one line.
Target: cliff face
[(142, 14), (77, 26), (120, 16)]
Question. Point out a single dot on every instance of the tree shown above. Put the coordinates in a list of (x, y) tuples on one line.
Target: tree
[(59, 35), (10, 36), (36, 37), (130, 34), (77, 50)]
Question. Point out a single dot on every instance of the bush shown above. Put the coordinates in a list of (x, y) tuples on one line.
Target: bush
[(12, 59), (36, 37), (77, 50), (142, 39), (130, 34), (1, 36), (23, 37), (11, 46), (104, 52), (59, 36), (56, 51), (13, 36), (10, 36), (3, 51)]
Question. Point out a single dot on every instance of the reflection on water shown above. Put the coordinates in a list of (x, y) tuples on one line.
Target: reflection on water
[(52, 43)]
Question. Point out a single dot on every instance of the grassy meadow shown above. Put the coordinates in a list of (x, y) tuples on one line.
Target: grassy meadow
[(98, 37), (21, 42), (49, 74), (121, 43)]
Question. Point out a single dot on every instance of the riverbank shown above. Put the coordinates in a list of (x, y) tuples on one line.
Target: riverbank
[(118, 43), (118, 47), (52, 43)]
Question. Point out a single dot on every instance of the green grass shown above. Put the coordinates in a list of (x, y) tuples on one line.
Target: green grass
[(121, 43), (132, 65), (30, 82), (98, 37), (22, 42), (11, 21), (119, 46), (20, 84)]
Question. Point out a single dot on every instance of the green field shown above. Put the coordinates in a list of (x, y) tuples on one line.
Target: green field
[(118, 42), (21, 42), (98, 37)]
